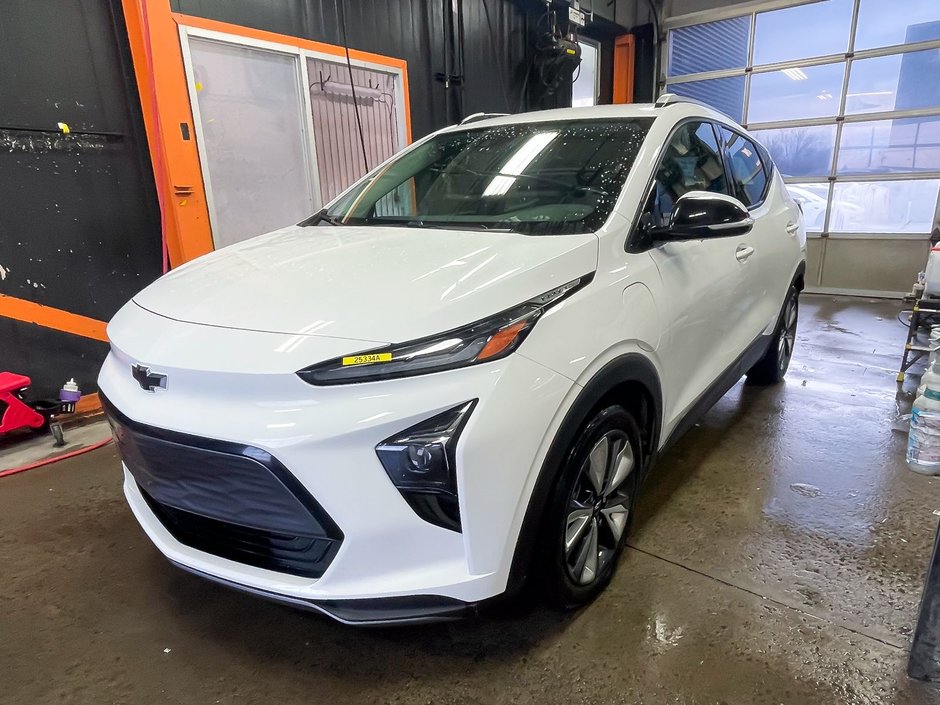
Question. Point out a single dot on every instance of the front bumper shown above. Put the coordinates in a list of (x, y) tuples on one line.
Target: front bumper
[(228, 499), (324, 439), (369, 612)]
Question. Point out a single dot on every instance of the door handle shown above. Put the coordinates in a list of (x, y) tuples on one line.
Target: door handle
[(743, 252), (792, 228)]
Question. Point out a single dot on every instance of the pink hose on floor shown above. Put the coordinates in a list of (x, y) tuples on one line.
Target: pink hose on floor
[(49, 461)]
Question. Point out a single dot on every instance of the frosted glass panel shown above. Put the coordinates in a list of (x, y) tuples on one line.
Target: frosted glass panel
[(256, 151)]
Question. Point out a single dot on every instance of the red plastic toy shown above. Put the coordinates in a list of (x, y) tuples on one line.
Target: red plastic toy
[(15, 412)]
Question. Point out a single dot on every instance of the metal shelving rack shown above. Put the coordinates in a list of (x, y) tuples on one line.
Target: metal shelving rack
[(926, 312)]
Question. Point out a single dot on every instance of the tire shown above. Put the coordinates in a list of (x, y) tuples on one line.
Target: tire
[(771, 368), (590, 510)]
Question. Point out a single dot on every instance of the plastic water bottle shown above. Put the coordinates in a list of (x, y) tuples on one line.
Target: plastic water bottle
[(932, 273), (934, 344), (930, 378), (923, 443)]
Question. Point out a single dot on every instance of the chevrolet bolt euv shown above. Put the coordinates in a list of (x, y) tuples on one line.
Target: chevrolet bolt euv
[(456, 376)]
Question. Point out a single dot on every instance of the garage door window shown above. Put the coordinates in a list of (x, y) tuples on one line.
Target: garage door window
[(709, 47), (842, 93)]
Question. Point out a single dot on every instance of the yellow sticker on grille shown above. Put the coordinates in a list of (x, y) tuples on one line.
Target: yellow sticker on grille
[(367, 359)]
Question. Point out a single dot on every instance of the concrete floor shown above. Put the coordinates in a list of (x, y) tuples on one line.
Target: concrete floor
[(778, 558), (23, 447)]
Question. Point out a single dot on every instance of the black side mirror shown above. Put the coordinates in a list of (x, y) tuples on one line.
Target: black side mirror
[(701, 214)]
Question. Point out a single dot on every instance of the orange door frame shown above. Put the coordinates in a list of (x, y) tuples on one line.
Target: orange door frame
[(153, 30), (624, 47), (161, 82)]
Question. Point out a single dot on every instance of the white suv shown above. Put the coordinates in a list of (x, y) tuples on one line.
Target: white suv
[(459, 373)]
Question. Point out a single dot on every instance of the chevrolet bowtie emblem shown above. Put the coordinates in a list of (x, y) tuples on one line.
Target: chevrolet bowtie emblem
[(148, 381)]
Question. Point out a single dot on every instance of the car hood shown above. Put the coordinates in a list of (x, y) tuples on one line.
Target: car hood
[(376, 284)]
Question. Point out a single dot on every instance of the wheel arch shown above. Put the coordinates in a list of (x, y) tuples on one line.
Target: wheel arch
[(630, 380), (799, 276)]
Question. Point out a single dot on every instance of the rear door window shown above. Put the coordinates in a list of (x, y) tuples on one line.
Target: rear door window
[(748, 171)]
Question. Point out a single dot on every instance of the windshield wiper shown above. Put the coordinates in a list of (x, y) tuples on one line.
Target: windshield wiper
[(455, 226), (321, 217)]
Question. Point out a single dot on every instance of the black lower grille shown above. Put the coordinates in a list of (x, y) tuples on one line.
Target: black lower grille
[(234, 501), (305, 556)]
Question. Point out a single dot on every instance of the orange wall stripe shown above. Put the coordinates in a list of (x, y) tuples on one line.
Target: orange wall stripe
[(88, 404), (48, 317)]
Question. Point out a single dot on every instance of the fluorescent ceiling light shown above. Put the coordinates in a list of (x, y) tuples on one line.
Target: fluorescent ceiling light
[(518, 162), (795, 74)]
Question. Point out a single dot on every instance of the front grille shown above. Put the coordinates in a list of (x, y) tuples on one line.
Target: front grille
[(234, 501), (305, 556)]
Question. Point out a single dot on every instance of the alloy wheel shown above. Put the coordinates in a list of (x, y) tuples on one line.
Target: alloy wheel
[(598, 508), (787, 339)]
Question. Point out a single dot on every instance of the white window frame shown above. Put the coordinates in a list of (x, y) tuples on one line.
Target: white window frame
[(310, 155)]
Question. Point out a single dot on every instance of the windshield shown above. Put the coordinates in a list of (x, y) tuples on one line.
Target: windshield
[(546, 178)]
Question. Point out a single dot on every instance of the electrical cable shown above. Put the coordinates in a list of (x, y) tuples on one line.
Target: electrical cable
[(57, 458), (341, 9), (654, 17), (457, 7), (499, 67), (447, 74)]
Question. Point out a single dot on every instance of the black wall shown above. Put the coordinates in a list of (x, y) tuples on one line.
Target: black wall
[(429, 36), (79, 223)]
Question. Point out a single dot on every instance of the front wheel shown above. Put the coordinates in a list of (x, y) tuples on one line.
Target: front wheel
[(591, 509), (771, 368)]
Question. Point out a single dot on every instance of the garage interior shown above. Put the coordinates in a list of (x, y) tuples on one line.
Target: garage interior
[(780, 552)]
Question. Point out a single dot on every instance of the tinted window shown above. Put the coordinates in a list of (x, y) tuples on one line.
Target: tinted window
[(724, 94), (709, 47), (691, 162), (540, 178), (747, 168)]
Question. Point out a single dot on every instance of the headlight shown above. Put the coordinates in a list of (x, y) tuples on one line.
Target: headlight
[(490, 339), (422, 463)]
